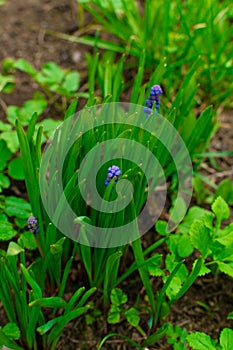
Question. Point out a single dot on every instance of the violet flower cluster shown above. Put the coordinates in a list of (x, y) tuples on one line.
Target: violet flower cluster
[(113, 172), (154, 97), (33, 224)]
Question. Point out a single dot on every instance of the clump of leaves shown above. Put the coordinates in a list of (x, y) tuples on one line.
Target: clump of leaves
[(202, 341), (52, 78), (14, 213), (202, 230), (119, 308)]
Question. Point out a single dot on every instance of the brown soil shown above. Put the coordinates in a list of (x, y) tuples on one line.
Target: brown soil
[(23, 34)]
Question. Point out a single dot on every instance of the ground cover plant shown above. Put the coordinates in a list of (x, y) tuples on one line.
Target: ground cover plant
[(48, 280)]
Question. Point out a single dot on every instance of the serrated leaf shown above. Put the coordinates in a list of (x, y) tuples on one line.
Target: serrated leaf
[(200, 341), (225, 190), (154, 266), (194, 213), (155, 270), (221, 210), (200, 237), (118, 297), (132, 316), (208, 220), (7, 231), (226, 239), (14, 249), (227, 268), (223, 254), (204, 269), (174, 287), (114, 314), (12, 331), (226, 339), (184, 246)]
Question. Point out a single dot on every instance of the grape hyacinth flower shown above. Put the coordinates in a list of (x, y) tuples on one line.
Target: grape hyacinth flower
[(154, 97), (113, 171), (33, 224)]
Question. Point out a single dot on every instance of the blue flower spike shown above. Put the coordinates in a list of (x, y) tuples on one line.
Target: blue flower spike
[(33, 224), (113, 171), (154, 97)]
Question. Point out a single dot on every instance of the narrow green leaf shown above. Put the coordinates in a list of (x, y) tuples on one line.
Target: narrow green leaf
[(52, 302), (33, 284)]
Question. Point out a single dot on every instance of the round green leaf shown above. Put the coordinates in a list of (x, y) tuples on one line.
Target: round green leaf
[(5, 154), (132, 316), (114, 314), (27, 240), (11, 139), (5, 126), (17, 207), (4, 181), (6, 231), (118, 297), (15, 169), (184, 247), (12, 331)]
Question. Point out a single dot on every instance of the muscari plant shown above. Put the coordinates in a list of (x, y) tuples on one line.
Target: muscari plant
[(101, 264), (24, 303), (23, 288), (202, 230)]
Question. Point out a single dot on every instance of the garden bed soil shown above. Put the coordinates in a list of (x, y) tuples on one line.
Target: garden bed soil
[(23, 34)]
